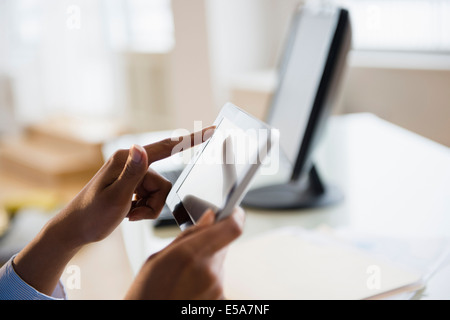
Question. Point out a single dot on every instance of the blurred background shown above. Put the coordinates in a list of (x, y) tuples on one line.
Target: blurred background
[(78, 72), (75, 74), (161, 64)]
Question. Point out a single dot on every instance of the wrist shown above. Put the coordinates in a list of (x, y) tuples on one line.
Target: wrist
[(42, 262), (64, 229)]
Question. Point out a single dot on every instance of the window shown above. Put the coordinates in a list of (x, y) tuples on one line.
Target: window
[(60, 54), (400, 25), (140, 25)]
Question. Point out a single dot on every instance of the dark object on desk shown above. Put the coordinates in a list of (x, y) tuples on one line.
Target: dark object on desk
[(308, 193), (166, 218), (311, 69)]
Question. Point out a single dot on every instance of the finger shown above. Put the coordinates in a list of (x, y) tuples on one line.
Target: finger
[(152, 182), (132, 173), (151, 197), (143, 213), (168, 147), (206, 219), (149, 207), (212, 239)]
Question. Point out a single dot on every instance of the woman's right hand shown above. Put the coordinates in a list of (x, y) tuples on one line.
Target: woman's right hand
[(190, 267)]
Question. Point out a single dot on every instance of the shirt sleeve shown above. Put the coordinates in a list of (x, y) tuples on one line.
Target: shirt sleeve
[(12, 287)]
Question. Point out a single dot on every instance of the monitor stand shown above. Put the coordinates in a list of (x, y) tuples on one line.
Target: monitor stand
[(301, 194)]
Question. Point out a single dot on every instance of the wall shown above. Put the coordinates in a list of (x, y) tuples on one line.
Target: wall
[(244, 36), (191, 71), (216, 42), (418, 100)]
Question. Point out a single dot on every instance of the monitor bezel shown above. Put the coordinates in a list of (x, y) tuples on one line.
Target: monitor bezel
[(326, 92)]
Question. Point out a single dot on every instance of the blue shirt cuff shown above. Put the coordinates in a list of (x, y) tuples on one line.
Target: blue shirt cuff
[(13, 287)]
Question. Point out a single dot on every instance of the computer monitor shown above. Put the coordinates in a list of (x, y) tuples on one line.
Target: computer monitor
[(310, 72)]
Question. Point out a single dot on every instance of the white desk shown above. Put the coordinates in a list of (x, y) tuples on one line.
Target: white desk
[(396, 184)]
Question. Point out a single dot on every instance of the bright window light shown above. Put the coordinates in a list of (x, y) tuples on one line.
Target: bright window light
[(140, 25), (400, 25)]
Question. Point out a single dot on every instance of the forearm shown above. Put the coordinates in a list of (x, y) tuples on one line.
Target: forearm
[(42, 262)]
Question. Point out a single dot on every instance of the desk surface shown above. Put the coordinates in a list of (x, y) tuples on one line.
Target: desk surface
[(396, 184)]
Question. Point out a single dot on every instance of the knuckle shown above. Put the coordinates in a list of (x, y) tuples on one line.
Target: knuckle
[(167, 143), (189, 260), (167, 185), (119, 156), (180, 144)]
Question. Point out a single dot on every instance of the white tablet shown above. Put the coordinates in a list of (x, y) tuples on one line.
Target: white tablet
[(219, 173)]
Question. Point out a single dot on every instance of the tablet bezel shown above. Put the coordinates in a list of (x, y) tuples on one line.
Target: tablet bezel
[(245, 122)]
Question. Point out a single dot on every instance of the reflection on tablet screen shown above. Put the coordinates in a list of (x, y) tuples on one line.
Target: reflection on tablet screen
[(217, 170)]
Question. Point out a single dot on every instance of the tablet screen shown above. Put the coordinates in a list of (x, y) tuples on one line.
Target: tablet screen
[(219, 173), (216, 171)]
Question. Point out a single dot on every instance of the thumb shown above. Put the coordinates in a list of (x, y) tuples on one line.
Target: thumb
[(134, 170)]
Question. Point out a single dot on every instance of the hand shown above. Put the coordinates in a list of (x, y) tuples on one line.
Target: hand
[(191, 266), (99, 208), (107, 199)]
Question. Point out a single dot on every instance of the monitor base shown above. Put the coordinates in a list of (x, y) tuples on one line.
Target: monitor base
[(293, 195)]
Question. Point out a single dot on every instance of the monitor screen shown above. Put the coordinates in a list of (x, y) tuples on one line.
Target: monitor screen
[(310, 74), (302, 68)]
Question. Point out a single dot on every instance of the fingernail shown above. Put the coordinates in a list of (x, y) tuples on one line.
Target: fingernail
[(136, 154)]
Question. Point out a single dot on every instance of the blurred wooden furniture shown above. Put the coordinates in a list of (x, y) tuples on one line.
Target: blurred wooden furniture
[(55, 151), (53, 161)]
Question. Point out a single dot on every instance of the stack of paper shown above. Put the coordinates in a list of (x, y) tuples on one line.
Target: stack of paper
[(293, 263)]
